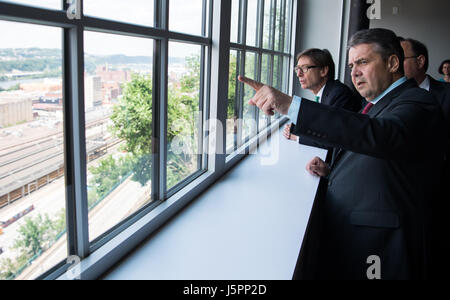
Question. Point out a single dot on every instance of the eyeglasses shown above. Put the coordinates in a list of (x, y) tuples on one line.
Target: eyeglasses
[(304, 68)]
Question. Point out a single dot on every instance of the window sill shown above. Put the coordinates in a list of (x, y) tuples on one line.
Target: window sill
[(248, 225)]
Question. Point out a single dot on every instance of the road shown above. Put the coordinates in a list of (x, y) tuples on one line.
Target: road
[(125, 200), (33, 147)]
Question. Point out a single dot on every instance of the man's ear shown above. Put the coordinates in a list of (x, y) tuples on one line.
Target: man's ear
[(393, 63), (421, 61), (324, 71)]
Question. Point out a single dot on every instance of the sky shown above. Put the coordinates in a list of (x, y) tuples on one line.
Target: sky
[(185, 16)]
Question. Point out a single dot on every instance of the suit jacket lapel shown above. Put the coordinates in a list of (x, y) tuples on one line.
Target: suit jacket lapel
[(326, 93)]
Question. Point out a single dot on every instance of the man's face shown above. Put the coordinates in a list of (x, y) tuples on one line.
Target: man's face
[(371, 75), (313, 78), (446, 69), (411, 63)]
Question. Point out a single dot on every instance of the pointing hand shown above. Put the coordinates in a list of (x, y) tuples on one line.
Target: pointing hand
[(268, 98)]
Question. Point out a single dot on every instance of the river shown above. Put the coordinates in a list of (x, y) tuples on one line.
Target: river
[(7, 84)]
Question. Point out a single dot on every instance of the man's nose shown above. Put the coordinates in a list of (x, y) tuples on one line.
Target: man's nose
[(355, 72)]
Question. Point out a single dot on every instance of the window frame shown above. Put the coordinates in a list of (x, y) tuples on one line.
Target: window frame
[(242, 49)]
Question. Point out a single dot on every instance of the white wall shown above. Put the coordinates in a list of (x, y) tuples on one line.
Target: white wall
[(426, 21), (320, 26)]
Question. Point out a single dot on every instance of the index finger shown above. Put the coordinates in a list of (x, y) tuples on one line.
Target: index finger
[(254, 84)]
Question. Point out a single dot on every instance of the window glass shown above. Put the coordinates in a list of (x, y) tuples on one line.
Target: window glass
[(118, 108), (53, 4), (252, 19), (131, 11), (186, 16), (32, 188), (279, 26), (277, 71), (286, 73), (268, 25), (234, 20), (265, 75), (249, 126), (184, 134), (233, 101), (287, 26), (277, 76)]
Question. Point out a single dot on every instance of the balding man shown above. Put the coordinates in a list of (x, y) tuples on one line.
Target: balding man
[(383, 172)]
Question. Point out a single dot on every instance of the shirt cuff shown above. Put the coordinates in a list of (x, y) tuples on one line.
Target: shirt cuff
[(294, 109)]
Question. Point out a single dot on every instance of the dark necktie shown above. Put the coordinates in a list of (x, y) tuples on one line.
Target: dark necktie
[(367, 108)]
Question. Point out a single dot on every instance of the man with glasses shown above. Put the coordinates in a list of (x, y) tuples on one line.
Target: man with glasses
[(316, 71), (373, 220), (416, 67)]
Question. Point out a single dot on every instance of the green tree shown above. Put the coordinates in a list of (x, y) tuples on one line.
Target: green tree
[(9, 268), (107, 174), (15, 87), (232, 87), (132, 122), (183, 112), (35, 235)]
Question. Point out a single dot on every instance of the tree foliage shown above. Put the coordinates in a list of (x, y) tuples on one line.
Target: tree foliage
[(132, 119), (35, 235)]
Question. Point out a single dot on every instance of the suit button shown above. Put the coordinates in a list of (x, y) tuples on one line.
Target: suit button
[(309, 131)]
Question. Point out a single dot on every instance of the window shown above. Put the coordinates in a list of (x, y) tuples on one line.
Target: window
[(188, 16), (130, 11), (32, 167), (260, 47), (184, 132), (110, 124), (118, 113)]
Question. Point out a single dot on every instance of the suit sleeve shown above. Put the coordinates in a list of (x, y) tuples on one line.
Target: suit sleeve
[(408, 127)]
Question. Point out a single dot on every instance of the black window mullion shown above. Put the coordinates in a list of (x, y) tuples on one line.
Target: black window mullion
[(201, 106), (163, 59), (258, 63), (273, 7), (204, 17), (240, 106), (282, 25), (75, 145), (260, 44), (159, 112), (240, 20), (237, 98)]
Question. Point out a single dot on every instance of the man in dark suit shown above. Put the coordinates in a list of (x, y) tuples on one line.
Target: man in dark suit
[(316, 71), (383, 172), (416, 66)]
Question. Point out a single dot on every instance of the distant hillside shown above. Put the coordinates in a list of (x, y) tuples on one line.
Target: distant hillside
[(48, 62)]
